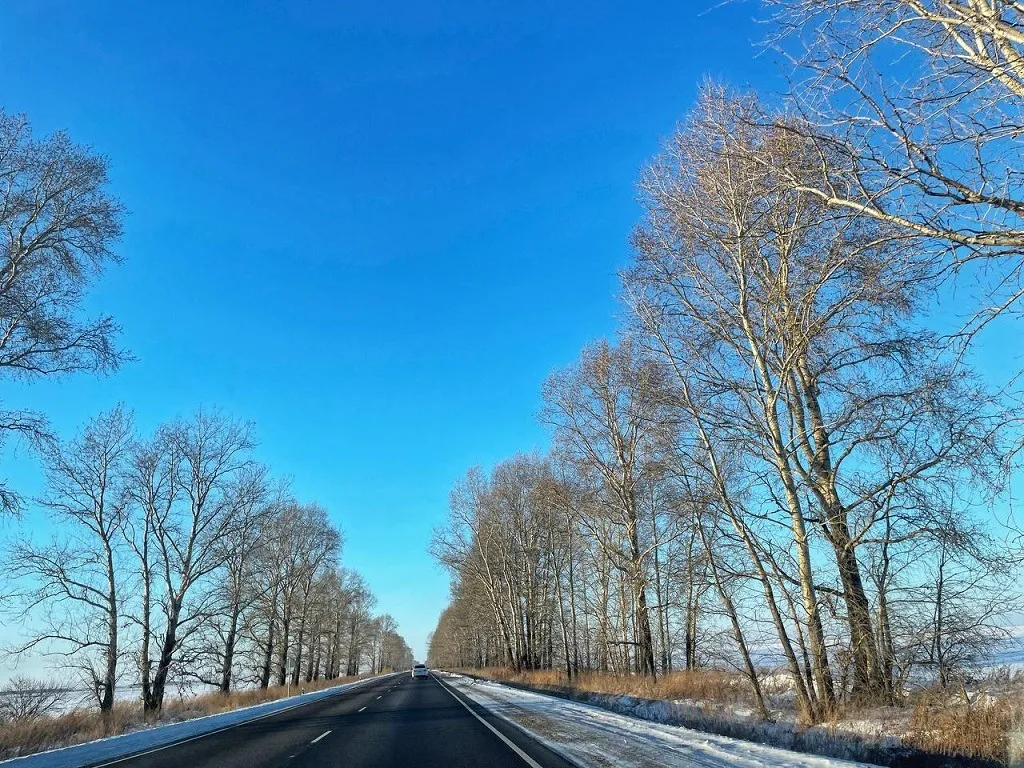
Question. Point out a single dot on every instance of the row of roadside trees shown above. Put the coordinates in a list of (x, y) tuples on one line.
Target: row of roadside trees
[(785, 459), (171, 558), (176, 556)]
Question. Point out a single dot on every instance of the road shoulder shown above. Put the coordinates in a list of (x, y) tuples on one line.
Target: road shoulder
[(539, 750), (591, 736), (124, 746)]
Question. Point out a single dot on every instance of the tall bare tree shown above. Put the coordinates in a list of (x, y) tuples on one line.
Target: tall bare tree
[(78, 578), (915, 107), (605, 412), (798, 319), (58, 226), (206, 455), (239, 590)]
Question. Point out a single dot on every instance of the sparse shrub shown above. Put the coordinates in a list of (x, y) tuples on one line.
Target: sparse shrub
[(25, 698)]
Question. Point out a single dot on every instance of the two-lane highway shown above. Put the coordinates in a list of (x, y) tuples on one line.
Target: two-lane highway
[(392, 722)]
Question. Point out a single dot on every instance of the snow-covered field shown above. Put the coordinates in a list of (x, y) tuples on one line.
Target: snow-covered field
[(79, 698), (591, 736)]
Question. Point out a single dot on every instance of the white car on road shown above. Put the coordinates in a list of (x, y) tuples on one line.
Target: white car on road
[(420, 670)]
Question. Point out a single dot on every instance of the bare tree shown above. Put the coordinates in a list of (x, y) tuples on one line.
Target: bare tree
[(796, 319), (356, 623), (153, 490), (24, 698), (78, 577), (916, 108), (605, 412), (239, 590), (177, 543), (470, 547), (318, 546), (205, 457), (58, 225), (301, 545)]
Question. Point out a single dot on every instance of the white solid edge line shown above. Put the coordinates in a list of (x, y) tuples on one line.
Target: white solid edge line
[(132, 756), (526, 758), (544, 741), (314, 741)]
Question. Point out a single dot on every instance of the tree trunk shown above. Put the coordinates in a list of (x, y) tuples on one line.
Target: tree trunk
[(781, 451), (572, 601), (662, 628), (737, 632), (268, 655), (145, 621), (353, 652), (163, 668), (229, 649), (690, 639), (867, 679), (282, 653), (297, 665), (867, 682), (819, 652), (642, 619), (110, 673)]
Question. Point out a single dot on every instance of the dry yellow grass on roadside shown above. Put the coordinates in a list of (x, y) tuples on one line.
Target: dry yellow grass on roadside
[(699, 684), (948, 724)]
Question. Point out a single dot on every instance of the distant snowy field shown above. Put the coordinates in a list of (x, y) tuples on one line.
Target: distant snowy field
[(592, 736), (1011, 656), (81, 698)]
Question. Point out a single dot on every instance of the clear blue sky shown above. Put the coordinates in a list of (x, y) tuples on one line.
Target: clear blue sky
[(371, 227)]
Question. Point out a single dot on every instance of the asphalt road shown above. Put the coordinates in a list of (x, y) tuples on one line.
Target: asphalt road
[(393, 722)]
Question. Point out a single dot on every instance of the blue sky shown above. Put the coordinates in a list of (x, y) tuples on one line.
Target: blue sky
[(371, 227)]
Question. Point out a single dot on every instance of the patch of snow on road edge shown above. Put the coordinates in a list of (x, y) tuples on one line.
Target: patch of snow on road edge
[(595, 736), (553, 746)]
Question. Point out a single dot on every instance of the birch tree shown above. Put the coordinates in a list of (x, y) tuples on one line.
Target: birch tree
[(800, 320), (916, 107), (604, 410)]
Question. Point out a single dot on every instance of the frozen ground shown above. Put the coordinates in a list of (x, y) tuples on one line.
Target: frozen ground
[(592, 736), (139, 741)]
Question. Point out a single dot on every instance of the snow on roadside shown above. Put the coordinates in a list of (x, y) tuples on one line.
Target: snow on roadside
[(115, 747), (592, 736)]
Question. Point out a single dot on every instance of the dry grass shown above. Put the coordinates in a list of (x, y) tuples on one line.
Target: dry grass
[(702, 685), (952, 725), (38, 734)]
